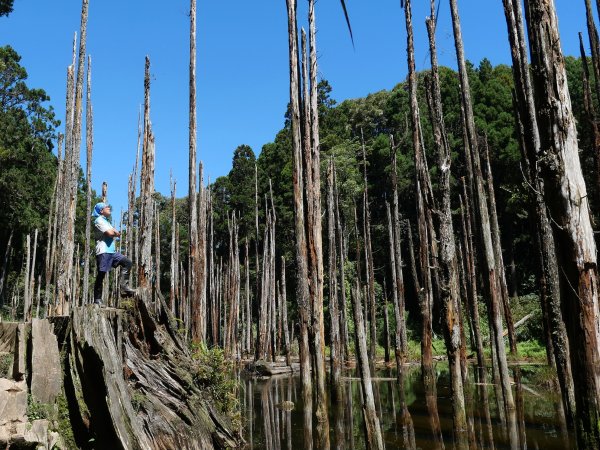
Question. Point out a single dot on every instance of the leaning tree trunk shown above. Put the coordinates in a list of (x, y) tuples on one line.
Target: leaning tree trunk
[(566, 196)]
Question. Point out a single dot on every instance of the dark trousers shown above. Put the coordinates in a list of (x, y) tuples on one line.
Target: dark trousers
[(105, 262)]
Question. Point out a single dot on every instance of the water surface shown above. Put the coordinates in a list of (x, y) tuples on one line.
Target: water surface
[(419, 416)]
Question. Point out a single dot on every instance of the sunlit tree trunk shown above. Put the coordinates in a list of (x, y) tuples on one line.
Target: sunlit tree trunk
[(146, 221), (89, 144), (449, 285), (566, 196), (490, 270), (531, 146)]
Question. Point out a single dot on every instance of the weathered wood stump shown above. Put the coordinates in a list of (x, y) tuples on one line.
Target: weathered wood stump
[(114, 378), (132, 381)]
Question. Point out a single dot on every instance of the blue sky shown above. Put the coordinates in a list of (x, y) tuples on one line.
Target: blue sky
[(242, 60)]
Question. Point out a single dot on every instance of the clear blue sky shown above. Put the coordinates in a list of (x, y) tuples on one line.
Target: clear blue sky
[(242, 62)]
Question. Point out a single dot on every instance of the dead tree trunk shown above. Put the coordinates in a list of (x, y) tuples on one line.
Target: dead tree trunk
[(174, 249), (201, 276), (369, 271), (566, 196), (530, 143), (491, 275), (145, 267), (7, 252), (89, 145), (420, 187), (314, 241), (449, 284), (399, 323), (26, 295), (298, 182), (286, 334), (62, 276), (397, 247), (373, 436), (336, 364), (512, 338), (594, 44), (193, 262), (588, 104)]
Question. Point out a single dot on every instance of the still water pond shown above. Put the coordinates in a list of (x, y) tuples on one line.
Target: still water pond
[(418, 417)]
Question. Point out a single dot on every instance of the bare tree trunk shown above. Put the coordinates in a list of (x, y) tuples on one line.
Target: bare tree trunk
[(202, 273), (5, 264), (63, 193), (286, 334), (157, 247), (490, 265), (89, 145), (565, 194), (400, 319), (336, 350), (399, 322), (449, 284), (146, 221), (32, 273), (301, 256), (588, 103), (315, 247), (174, 249), (343, 325), (530, 143), (373, 436), (420, 186), (193, 263), (512, 338), (386, 325), (369, 271), (26, 299), (594, 44)]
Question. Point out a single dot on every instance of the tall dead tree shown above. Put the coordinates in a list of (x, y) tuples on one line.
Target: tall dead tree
[(201, 276), (531, 146), (449, 284), (594, 41), (89, 145), (488, 259), (68, 192), (566, 197), (315, 246), (174, 248), (421, 183), (369, 270), (193, 263), (26, 290), (373, 436), (397, 249), (590, 111), (334, 315), (145, 266), (302, 295)]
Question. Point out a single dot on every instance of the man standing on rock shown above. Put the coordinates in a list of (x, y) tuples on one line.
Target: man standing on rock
[(106, 255)]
